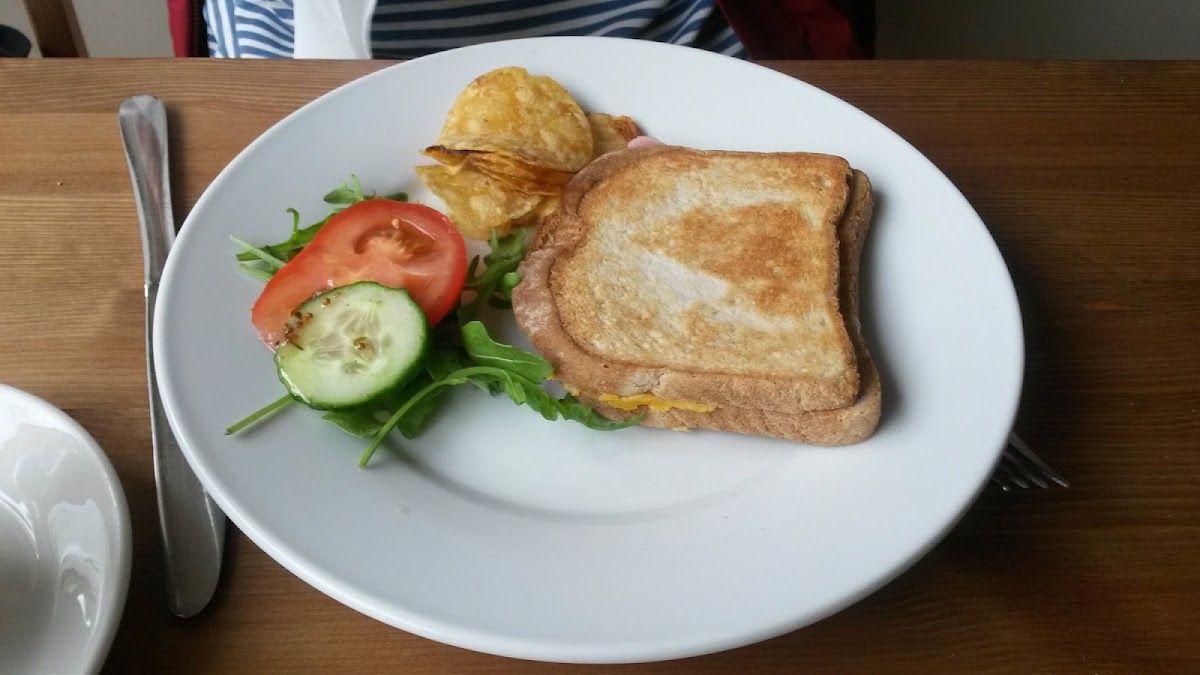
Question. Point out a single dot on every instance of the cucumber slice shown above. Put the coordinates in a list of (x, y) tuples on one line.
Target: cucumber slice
[(351, 345)]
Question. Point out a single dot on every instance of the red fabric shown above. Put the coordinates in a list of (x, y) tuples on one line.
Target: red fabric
[(181, 15), (792, 29)]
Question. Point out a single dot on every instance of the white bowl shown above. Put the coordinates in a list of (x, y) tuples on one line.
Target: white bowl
[(64, 541)]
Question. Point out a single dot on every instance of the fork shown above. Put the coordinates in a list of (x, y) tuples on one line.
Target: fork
[(1019, 467)]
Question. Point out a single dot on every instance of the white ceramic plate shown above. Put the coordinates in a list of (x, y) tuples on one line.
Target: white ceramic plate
[(64, 541), (500, 532)]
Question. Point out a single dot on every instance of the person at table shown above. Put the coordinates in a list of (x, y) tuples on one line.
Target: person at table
[(405, 29)]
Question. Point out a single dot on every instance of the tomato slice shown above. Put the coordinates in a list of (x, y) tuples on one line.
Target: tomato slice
[(392, 243)]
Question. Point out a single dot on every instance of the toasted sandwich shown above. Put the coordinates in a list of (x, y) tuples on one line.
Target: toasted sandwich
[(709, 289)]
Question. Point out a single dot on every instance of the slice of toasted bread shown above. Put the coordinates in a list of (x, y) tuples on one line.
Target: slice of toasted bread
[(702, 276), (843, 426)]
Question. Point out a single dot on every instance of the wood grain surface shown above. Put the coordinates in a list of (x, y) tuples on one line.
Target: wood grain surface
[(1088, 176)]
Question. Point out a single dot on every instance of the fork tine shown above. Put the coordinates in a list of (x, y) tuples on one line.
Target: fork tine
[(1006, 469), (1015, 441), (1001, 482), (1026, 470)]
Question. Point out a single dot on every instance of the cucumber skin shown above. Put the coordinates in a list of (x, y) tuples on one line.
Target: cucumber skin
[(405, 378)]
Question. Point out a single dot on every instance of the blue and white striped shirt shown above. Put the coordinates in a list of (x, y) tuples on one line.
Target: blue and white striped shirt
[(405, 29)]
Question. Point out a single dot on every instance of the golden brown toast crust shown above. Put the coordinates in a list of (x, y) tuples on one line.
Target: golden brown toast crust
[(843, 426), (543, 308)]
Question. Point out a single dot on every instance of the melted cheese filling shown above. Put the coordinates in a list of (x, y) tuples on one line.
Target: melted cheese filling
[(653, 402)]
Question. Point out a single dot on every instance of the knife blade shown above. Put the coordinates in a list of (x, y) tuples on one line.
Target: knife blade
[(192, 525)]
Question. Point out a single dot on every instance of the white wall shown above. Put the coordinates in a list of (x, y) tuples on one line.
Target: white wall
[(109, 27), (1082, 29), (124, 27), (12, 13)]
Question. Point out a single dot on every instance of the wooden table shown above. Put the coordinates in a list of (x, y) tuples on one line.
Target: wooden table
[(1088, 176)]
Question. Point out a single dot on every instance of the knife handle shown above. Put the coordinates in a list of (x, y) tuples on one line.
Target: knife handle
[(143, 121)]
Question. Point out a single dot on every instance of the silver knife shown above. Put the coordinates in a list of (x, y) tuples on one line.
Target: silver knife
[(193, 526)]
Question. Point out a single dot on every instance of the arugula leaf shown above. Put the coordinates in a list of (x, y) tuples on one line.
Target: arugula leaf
[(508, 282), (262, 413), (346, 194), (442, 362), (445, 360), (262, 274), (365, 422), (502, 298), (420, 414), (494, 285), (510, 248), (259, 254), (287, 249), (277, 249), (487, 352), (520, 374), (521, 391), (526, 392), (575, 410), (360, 422)]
